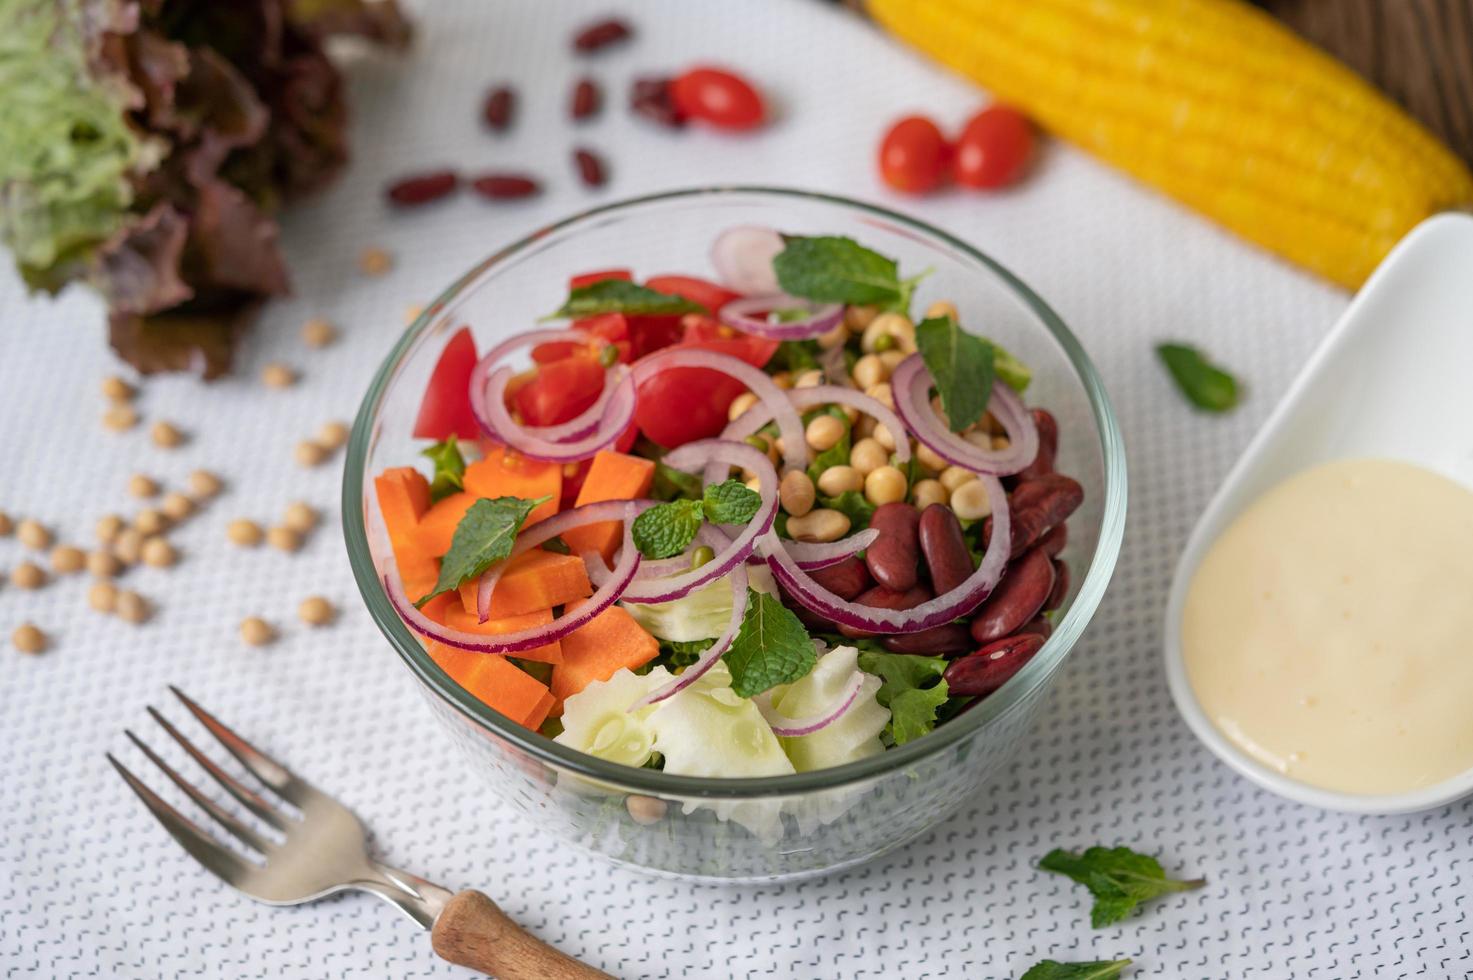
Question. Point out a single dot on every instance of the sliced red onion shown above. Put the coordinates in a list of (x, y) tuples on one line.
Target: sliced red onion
[(942, 609), (687, 457), (749, 315), (519, 640), (759, 415), (911, 384), (619, 412), (711, 654), (789, 424), (587, 420), (785, 727), (742, 257), (812, 555), (549, 528)]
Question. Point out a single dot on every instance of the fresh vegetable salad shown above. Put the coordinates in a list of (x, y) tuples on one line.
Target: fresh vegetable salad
[(746, 527)]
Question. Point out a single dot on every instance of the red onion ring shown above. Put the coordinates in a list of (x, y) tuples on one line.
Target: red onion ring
[(942, 609), (526, 639), (619, 413), (795, 448), (812, 555), (911, 384), (694, 454), (785, 727), (739, 314), (742, 257), (587, 420), (711, 654)]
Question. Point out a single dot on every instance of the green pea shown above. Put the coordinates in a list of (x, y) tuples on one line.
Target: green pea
[(884, 342), (701, 556)]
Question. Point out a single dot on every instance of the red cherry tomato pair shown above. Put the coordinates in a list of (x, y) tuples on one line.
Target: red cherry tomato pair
[(718, 97), (992, 151)]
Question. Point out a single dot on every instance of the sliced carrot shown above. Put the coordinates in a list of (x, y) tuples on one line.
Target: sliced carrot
[(436, 529), (457, 618), (506, 473), (536, 580), (496, 683), (612, 641), (403, 498), (540, 712), (612, 476)]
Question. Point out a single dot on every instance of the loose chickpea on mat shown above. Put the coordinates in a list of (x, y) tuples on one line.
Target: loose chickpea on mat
[(316, 611), (278, 375), (300, 517), (103, 597), (334, 434), (6, 524), (116, 389), (374, 261), (66, 559), (284, 539), (166, 435), (309, 453), (33, 534), (204, 484), (318, 333), (176, 506), (246, 533), (109, 526), (149, 521), (120, 418), (132, 607), (103, 564), (28, 638), (141, 485), (27, 575), (256, 632)]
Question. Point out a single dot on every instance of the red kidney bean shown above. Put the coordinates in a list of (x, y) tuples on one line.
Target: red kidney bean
[(979, 674), (591, 169), (587, 99), (422, 188), (948, 560), (1060, 591), (810, 619), (1048, 446), (845, 579), (652, 98), (597, 36), (882, 598), (499, 108), (1040, 504), (1024, 588), (1040, 625), (1055, 540), (946, 638), (505, 186), (894, 555)]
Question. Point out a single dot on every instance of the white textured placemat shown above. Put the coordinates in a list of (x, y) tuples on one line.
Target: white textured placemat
[(89, 886)]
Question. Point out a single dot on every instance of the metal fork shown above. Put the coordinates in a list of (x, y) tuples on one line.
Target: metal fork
[(323, 849)]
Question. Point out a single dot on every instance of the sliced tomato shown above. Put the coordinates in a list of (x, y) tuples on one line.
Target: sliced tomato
[(589, 278), (446, 407), (559, 391), (648, 334), (709, 294), (680, 405)]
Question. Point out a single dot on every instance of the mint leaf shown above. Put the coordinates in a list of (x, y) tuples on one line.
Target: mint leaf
[(831, 269), (1093, 970), (484, 536), (666, 530), (1120, 879), (1009, 369), (618, 296), (961, 366), (771, 648), (732, 502), (853, 505), (449, 468), (905, 691), (1204, 384)]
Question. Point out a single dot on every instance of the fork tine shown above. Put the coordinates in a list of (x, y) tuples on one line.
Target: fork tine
[(247, 798), (218, 858), (258, 763), (242, 833)]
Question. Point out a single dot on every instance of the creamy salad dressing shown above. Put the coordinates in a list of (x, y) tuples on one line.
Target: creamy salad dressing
[(1329, 631)]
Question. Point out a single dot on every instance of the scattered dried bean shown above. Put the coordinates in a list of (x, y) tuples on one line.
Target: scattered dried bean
[(499, 107), (587, 99), (422, 188), (596, 37), (505, 187), (591, 168)]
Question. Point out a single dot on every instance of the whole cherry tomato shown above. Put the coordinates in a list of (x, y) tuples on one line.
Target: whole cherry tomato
[(994, 148), (717, 97), (914, 155)]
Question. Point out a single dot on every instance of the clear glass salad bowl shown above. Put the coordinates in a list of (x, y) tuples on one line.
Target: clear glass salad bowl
[(742, 829)]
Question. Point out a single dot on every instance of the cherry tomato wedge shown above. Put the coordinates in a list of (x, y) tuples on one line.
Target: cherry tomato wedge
[(648, 334), (680, 405), (446, 408), (709, 294), (559, 391), (718, 97), (994, 148), (589, 278), (914, 155)]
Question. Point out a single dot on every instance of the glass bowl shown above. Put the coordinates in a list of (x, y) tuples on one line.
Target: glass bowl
[(742, 829)]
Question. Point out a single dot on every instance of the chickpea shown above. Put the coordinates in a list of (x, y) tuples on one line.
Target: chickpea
[(896, 325), (869, 371), (1001, 442), (795, 492), (65, 559), (129, 546), (333, 435), (819, 525), (988, 423), (150, 521), (840, 479), (28, 638), (27, 575), (176, 506), (864, 428), (883, 394), (309, 453), (119, 418), (645, 810), (412, 312), (278, 375), (740, 404), (892, 358), (884, 438), (374, 261), (970, 501), (204, 484), (132, 607), (300, 517), (928, 492), (103, 564), (942, 307), (809, 379), (824, 433), (116, 389), (256, 632), (783, 379), (928, 458), (316, 611), (140, 485), (243, 532), (109, 526), (103, 596), (856, 318), (166, 435), (33, 534), (954, 476), (6, 524), (884, 486), (318, 333), (836, 337), (284, 539), (159, 553), (867, 455)]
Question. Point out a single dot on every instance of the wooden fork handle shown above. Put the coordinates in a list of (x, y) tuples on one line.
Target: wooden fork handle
[(472, 931)]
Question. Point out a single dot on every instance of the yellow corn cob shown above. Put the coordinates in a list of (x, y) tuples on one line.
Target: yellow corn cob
[(1216, 104)]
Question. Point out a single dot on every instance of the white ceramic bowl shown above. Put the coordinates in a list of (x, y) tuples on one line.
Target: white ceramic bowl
[(1394, 379)]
